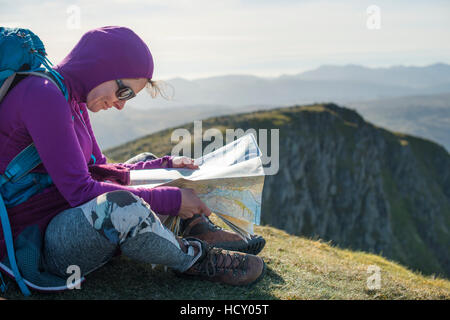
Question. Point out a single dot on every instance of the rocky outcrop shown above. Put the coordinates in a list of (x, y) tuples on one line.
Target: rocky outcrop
[(362, 187)]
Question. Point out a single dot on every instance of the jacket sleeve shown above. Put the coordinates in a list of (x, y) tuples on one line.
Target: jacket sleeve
[(47, 117)]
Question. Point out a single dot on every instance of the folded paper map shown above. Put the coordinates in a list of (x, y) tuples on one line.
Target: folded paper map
[(229, 181)]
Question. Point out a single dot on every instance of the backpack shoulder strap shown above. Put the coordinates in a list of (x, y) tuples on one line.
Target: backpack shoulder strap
[(24, 162), (14, 78), (40, 74), (6, 85)]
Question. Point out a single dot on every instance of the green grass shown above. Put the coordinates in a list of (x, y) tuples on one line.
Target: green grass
[(297, 268)]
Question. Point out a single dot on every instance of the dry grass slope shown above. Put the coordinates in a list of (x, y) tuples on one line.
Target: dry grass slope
[(297, 268)]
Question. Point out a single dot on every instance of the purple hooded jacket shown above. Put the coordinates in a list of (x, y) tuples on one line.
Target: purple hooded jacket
[(36, 111)]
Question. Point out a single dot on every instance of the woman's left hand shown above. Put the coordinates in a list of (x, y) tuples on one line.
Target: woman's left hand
[(183, 162)]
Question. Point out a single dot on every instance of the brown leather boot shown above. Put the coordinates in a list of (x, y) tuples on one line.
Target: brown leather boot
[(200, 227), (228, 267)]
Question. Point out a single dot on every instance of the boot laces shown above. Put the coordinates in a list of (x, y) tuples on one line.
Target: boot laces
[(211, 264)]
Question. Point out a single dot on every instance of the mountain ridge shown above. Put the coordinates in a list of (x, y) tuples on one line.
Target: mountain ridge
[(344, 179), (339, 84)]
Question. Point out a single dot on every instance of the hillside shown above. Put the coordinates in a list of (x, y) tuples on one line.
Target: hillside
[(343, 179), (297, 268), (424, 116)]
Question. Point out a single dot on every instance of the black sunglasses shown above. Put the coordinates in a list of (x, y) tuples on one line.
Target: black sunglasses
[(124, 92)]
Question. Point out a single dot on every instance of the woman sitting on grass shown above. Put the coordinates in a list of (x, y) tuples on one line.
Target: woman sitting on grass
[(79, 221)]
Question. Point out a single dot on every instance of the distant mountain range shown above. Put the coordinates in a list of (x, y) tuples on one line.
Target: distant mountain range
[(327, 83), (414, 100), (435, 75)]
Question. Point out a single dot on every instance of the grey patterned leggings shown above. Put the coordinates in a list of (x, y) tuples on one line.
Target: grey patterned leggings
[(89, 235)]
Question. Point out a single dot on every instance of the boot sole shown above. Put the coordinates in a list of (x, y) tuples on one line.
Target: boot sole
[(254, 246), (194, 277)]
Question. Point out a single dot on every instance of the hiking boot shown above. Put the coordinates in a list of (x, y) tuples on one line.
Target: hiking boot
[(228, 267), (200, 227)]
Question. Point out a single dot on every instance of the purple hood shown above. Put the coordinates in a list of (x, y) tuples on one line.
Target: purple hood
[(104, 54)]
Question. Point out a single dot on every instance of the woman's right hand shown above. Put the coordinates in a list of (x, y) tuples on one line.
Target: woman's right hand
[(191, 204)]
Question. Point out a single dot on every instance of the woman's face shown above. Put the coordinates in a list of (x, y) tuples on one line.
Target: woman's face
[(103, 96)]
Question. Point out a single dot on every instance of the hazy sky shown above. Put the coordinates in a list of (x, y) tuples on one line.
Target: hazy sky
[(200, 38)]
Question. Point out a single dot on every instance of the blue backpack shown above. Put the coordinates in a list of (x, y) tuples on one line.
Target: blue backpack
[(21, 53)]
